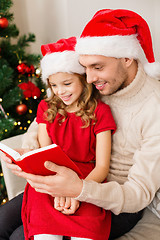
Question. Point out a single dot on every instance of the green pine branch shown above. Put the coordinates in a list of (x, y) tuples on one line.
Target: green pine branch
[(32, 58), (12, 120), (24, 40), (12, 97), (5, 5), (6, 75), (10, 31), (7, 126)]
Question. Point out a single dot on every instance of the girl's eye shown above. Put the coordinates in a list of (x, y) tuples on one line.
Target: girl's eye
[(67, 84), (53, 85)]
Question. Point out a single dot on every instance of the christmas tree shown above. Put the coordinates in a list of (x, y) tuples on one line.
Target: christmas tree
[(21, 88)]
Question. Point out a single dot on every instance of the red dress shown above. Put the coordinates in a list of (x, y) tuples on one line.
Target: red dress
[(89, 221)]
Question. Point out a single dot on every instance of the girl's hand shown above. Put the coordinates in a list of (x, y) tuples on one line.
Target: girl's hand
[(59, 203), (71, 205), (66, 205)]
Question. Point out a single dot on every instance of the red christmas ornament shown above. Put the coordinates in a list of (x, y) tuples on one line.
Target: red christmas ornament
[(21, 109), (30, 69), (30, 90), (22, 68), (3, 22)]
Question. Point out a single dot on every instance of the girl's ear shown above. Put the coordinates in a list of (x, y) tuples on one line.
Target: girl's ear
[(49, 92)]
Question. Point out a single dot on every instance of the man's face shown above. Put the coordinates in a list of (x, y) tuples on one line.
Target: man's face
[(108, 74)]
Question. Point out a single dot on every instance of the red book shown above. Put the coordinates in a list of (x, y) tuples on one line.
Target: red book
[(33, 161)]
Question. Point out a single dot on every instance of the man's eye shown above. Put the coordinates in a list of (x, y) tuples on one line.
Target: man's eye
[(98, 68)]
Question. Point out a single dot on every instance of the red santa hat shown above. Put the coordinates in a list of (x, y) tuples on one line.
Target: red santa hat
[(60, 57), (119, 33)]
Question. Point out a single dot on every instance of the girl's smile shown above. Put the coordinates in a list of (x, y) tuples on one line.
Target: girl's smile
[(66, 98)]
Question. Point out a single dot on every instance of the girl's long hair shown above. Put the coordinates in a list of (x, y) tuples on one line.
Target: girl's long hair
[(87, 103)]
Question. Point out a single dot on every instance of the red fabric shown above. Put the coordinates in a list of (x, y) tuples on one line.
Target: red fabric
[(108, 22), (78, 143), (89, 221), (60, 46)]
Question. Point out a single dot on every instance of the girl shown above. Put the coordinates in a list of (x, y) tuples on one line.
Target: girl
[(73, 118)]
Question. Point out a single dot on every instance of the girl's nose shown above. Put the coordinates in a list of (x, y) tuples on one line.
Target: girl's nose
[(61, 90)]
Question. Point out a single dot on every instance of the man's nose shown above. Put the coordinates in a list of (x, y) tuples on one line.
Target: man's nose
[(91, 78)]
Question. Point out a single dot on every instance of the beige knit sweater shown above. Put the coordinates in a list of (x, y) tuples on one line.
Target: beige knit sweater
[(134, 175)]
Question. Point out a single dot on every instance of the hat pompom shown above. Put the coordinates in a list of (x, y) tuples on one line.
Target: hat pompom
[(153, 69)]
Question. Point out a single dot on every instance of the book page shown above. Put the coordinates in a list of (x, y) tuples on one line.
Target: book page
[(37, 150), (15, 155)]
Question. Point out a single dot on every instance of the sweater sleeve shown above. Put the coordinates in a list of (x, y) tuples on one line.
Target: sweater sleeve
[(143, 179)]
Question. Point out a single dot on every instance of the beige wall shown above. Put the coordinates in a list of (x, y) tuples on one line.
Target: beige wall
[(50, 20)]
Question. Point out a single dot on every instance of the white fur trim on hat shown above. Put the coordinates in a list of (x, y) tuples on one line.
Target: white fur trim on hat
[(66, 61), (119, 47), (111, 46)]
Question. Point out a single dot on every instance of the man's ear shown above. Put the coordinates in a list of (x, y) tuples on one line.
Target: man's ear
[(128, 61)]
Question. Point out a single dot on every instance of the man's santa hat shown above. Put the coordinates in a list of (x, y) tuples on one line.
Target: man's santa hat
[(120, 34), (60, 57)]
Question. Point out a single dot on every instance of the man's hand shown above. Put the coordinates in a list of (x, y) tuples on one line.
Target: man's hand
[(66, 205), (65, 183), (10, 164)]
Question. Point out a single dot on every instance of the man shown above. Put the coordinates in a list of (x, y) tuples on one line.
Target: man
[(115, 47)]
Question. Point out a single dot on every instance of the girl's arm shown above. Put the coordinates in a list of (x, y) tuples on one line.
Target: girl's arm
[(43, 138), (103, 153)]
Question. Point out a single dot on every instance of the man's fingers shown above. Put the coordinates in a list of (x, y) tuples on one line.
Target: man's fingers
[(37, 184), (41, 191), (54, 168), (32, 177), (5, 158), (13, 167)]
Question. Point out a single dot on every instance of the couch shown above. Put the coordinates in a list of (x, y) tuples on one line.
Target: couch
[(14, 184)]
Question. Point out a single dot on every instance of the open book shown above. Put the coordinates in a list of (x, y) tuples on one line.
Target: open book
[(33, 161)]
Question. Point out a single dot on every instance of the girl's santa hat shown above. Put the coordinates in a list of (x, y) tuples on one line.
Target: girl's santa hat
[(60, 57), (120, 34)]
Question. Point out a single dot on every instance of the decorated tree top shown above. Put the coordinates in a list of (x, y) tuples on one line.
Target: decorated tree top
[(21, 88)]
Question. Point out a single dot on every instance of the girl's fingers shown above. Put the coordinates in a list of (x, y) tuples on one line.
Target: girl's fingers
[(68, 202), (62, 201)]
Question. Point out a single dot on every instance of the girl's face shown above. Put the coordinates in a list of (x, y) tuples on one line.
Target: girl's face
[(68, 88)]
